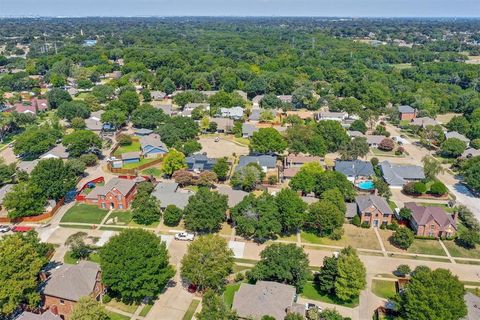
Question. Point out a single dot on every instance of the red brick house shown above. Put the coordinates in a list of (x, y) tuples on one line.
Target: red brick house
[(373, 210), (432, 221), (407, 113), (67, 284), (116, 194)]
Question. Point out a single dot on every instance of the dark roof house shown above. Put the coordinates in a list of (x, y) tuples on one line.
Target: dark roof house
[(200, 162), (431, 221), (264, 161), (398, 175), (354, 168)]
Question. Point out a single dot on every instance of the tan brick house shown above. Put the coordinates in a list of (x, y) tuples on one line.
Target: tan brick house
[(116, 194), (67, 284), (373, 210), (432, 221)]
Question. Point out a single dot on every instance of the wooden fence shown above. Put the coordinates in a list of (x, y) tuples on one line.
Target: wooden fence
[(134, 171), (38, 218)]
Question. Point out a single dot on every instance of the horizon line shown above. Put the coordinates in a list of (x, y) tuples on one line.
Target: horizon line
[(33, 16)]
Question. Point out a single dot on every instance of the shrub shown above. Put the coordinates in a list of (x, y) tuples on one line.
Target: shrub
[(400, 151), (272, 180), (124, 140), (475, 143), (337, 234), (403, 270), (393, 226), (386, 145), (468, 218), (239, 277), (468, 239), (403, 238), (356, 221), (383, 226), (419, 187), (106, 298), (89, 159), (172, 215), (405, 213), (409, 188), (438, 188), (374, 161), (365, 225)]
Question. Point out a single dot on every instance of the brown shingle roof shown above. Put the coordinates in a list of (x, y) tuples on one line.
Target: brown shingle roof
[(122, 185), (423, 215)]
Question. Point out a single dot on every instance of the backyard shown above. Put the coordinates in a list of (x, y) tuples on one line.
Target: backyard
[(230, 293), (135, 146), (311, 292), (84, 213), (383, 288)]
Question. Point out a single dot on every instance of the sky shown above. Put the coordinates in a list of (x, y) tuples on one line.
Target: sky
[(326, 8)]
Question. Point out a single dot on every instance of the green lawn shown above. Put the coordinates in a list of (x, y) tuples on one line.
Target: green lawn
[(383, 288), (123, 217), (130, 308), (84, 213), (73, 226), (381, 153), (191, 309), (230, 293), (156, 172), (146, 309), (237, 268), (422, 246), (68, 259), (137, 164), (135, 146), (152, 225), (310, 292), (353, 236), (116, 316), (457, 251), (442, 205), (392, 205)]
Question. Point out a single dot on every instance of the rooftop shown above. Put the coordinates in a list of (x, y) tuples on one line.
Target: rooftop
[(366, 201), (406, 109), (124, 186), (354, 168)]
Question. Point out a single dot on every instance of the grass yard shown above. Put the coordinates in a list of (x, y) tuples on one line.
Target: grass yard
[(380, 153), (226, 229), (142, 162), (130, 308), (116, 316), (155, 171), (291, 237), (135, 146), (230, 292), (74, 226), (146, 309), (242, 260), (383, 288), (457, 251), (84, 213), (392, 205), (191, 309), (123, 217), (152, 225), (68, 259), (419, 246), (310, 292), (237, 268)]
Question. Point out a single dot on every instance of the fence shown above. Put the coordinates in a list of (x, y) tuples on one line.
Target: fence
[(135, 170), (38, 218), (80, 196)]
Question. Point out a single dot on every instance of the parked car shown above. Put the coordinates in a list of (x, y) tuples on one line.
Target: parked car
[(21, 229), (185, 236), (310, 306), (217, 139), (192, 288), (4, 229)]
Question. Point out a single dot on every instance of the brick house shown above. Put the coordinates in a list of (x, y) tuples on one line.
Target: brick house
[(116, 194), (432, 221), (67, 284), (373, 210), (407, 113)]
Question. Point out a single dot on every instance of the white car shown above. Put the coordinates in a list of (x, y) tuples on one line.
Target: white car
[(185, 236), (310, 306), (4, 229)]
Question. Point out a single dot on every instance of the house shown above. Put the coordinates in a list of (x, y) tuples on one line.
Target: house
[(266, 162), (168, 193), (373, 210), (289, 173), (57, 152), (473, 306), (399, 175), (470, 153), (293, 160), (424, 122), (68, 283), (265, 298), (193, 105), (33, 106), (130, 157), (355, 134), (374, 140), (157, 95), (27, 166), (302, 114), (255, 114), (432, 221), (352, 210), (143, 132), (48, 315), (166, 108), (94, 123), (234, 196), (407, 113), (248, 129), (152, 146), (456, 135), (115, 194), (235, 113), (285, 98), (199, 162), (354, 169), (223, 124), (336, 116)]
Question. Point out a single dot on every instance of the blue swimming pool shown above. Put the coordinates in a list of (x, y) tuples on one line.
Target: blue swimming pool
[(366, 185)]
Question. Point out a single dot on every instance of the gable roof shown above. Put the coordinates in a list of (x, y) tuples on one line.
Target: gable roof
[(354, 168), (72, 282), (263, 298), (473, 306), (263, 160), (124, 186), (366, 201), (456, 135), (47, 315), (152, 140), (234, 196), (374, 139), (4, 190), (235, 112), (351, 210), (398, 175), (423, 122), (406, 109), (255, 114), (423, 215), (143, 131), (59, 152), (200, 161), (130, 155), (471, 153), (249, 129), (167, 194)]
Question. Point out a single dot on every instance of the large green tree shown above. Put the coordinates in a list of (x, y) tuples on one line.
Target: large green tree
[(205, 211), (351, 278), (54, 178), (307, 177), (267, 140), (214, 307), (88, 308), (146, 116), (174, 160), (81, 141), (56, 97), (35, 141), (324, 217), (333, 134), (291, 210), (25, 199), (73, 109)]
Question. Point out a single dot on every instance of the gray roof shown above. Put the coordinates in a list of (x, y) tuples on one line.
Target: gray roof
[(456, 135), (193, 105), (224, 124), (398, 175), (406, 109), (122, 185), (27, 166), (351, 210), (354, 168), (332, 115), (423, 215), (47, 315), (200, 161), (93, 124), (72, 282), (59, 151), (257, 99), (471, 153), (166, 187), (166, 108), (152, 140), (423, 122), (255, 114), (143, 131), (4, 190), (285, 98), (157, 95), (354, 134), (167, 193), (262, 160), (248, 129), (374, 139), (263, 298), (235, 112), (473, 306), (366, 201), (234, 196), (131, 155)]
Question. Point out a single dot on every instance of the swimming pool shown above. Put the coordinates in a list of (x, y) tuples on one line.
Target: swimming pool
[(366, 185)]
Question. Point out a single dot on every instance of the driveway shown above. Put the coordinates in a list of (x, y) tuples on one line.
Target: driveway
[(8, 155)]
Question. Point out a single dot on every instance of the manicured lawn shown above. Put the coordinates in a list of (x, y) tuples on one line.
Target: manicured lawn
[(84, 213), (130, 308), (392, 205), (73, 226), (137, 164), (381, 153), (152, 225), (146, 309), (353, 236), (68, 259), (135, 146), (230, 293), (249, 261), (292, 237), (122, 217), (155, 171), (310, 292), (457, 251), (383, 288), (116, 316), (191, 309), (419, 246)]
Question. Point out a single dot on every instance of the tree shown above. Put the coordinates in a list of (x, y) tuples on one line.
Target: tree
[(214, 307), (402, 238), (35, 140), (78, 123), (302, 98), (6, 171), (324, 217), (177, 130), (336, 197), (130, 99), (270, 101), (81, 141), (306, 178), (438, 188), (208, 262), (383, 189), (469, 239), (386, 144), (115, 118), (205, 211), (189, 147), (327, 276), (303, 139), (471, 172), (452, 148), (221, 168), (25, 199), (88, 308), (174, 160), (334, 179), (135, 265), (54, 178), (183, 177), (291, 209), (267, 140), (146, 116), (333, 134), (459, 124), (19, 268), (351, 277), (419, 187), (284, 263), (431, 167), (247, 177), (355, 148), (431, 294), (405, 214), (73, 109), (168, 86), (358, 125), (145, 209), (207, 179), (172, 215), (294, 316), (403, 270), (56, 97)]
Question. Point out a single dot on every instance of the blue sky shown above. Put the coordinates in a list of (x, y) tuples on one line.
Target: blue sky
[(356, 8)]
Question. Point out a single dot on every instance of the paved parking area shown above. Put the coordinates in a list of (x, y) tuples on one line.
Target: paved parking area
[(222, 148)]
